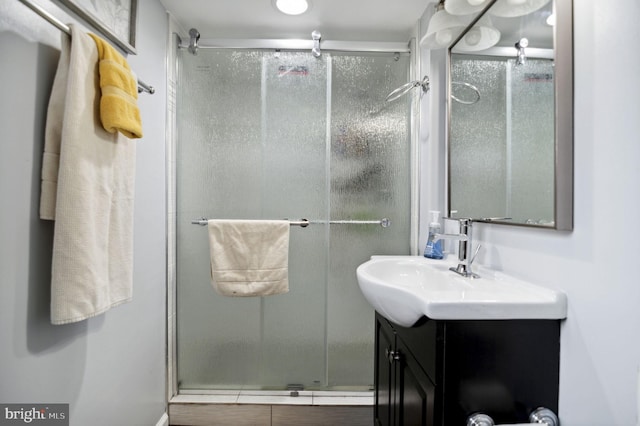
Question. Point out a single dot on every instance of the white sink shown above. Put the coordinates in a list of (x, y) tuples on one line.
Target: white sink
[(404, 288)]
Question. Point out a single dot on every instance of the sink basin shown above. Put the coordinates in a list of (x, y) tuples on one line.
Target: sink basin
[(404, 288)]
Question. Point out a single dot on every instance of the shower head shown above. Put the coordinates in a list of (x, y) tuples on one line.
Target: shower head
[(407, 87), (424, 83)]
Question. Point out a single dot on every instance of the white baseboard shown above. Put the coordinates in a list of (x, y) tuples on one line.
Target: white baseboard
[(164, 420)]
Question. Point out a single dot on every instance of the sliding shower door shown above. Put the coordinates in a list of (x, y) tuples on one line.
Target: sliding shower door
[(274, 135)]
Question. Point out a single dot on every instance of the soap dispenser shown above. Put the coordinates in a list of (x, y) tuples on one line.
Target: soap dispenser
[(433, 250)]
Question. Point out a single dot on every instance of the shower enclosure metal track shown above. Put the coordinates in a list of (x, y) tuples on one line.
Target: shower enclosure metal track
[(301, 44), (303, 223)]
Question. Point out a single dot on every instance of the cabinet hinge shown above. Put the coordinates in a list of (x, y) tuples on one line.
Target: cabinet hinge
[(393, 356)]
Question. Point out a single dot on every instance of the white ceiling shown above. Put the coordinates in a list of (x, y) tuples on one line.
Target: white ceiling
[(349, 20)]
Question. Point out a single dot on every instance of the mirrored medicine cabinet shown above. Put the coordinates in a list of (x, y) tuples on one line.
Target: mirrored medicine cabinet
[(510, 116)]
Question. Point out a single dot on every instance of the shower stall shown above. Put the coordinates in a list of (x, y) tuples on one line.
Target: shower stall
[(282, 134)]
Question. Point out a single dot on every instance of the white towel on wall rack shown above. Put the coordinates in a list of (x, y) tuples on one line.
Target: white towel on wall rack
[(88, 188), (249, 257)]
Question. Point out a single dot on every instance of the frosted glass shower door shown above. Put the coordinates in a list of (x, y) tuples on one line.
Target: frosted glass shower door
[(295, 186), (273, 135), (218, 175), (370, 180)]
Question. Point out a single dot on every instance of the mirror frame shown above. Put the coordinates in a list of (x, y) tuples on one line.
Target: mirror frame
[(563, 93)]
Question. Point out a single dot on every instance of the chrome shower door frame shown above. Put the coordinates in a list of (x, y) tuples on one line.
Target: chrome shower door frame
[(172, 76)]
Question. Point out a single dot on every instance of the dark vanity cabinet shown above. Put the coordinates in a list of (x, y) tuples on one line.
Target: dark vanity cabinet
[(404, 392), (438, 372)]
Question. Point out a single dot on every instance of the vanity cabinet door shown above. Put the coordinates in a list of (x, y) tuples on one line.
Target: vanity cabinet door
[(404, 393), (415, 391), (384, 375)]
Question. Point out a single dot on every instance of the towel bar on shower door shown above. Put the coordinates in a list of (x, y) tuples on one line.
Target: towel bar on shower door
[(303, 223)]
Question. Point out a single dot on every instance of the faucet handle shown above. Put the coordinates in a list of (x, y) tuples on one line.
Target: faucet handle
[(475, 254)]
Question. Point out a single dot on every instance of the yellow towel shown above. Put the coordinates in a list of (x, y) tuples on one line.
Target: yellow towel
[(118, 104)]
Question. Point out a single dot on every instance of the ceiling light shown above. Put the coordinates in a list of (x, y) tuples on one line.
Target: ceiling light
[(481, 36), (515, 8), (292, 7), (442, 29), (464, 7)]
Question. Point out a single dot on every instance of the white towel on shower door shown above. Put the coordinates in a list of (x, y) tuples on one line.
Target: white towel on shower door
[(88, 185), (249, 257)]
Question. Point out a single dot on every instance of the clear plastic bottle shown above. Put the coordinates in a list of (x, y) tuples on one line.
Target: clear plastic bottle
[(433, 250)]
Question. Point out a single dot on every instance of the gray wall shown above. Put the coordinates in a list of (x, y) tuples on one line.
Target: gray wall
[(111, 368), (596, 263)]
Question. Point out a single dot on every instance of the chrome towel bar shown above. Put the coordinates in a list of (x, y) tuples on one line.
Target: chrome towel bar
[(303, 223), (142, 86)]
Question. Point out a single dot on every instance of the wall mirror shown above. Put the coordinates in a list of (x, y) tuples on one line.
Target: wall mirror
[(510, 115)]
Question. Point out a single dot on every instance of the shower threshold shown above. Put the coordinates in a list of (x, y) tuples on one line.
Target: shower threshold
[(271, 407), (361, 397)]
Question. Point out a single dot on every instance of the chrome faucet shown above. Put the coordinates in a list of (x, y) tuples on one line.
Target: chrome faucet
[(464, 247)]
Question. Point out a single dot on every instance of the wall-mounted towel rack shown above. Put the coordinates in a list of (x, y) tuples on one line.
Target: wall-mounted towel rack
[(303, 223), (142, 86)]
